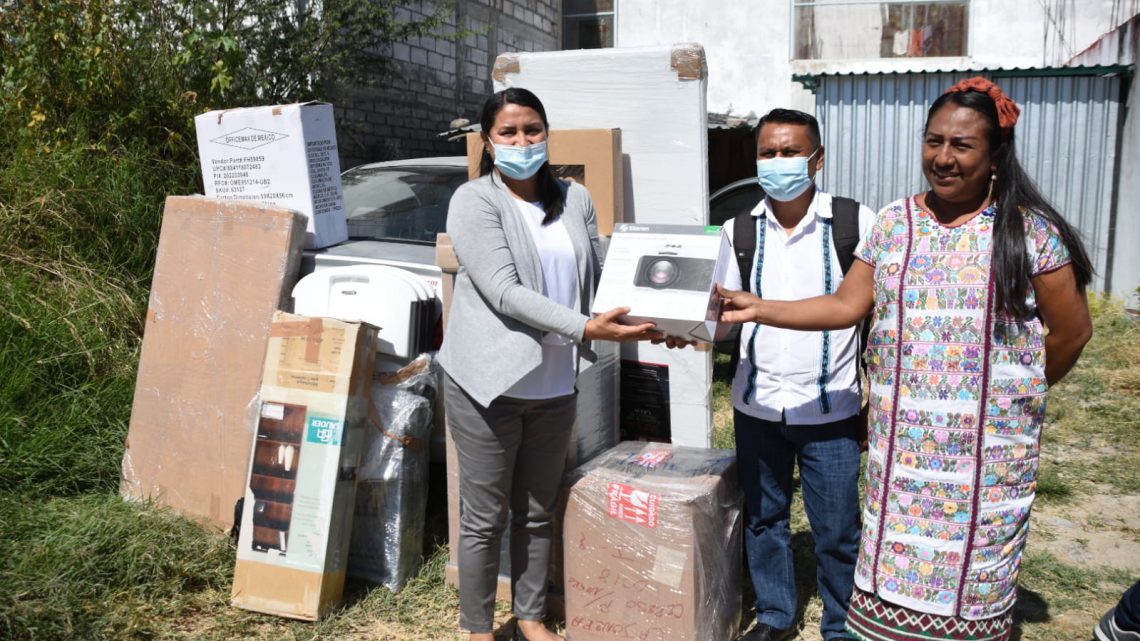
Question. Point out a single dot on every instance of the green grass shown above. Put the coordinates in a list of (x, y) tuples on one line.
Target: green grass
[(1093, 419), (79, 230), (94, 567)]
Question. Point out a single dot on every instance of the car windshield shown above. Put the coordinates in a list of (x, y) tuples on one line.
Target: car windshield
[(405, 204)]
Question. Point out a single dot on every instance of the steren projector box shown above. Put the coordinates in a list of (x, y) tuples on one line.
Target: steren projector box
[(666, 274)]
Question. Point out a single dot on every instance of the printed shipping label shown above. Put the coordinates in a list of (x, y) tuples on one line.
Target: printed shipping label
[(636, 506)]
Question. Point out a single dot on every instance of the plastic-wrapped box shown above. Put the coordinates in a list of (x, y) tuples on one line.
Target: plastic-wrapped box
[(652, 545), (221, 270), (392, 491)]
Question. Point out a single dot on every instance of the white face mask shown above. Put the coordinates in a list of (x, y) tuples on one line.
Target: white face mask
[(784, 179), (520, 163)]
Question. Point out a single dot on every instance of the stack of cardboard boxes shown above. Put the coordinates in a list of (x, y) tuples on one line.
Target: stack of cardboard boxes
[(243, 415)]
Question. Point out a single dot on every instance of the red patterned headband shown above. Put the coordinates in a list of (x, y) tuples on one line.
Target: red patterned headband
[(1007, 109)]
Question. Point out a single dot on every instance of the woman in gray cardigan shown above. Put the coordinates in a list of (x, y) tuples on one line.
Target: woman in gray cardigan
[(528, 254)]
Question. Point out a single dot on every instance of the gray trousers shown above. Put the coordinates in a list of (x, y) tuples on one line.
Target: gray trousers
[(511, 456)]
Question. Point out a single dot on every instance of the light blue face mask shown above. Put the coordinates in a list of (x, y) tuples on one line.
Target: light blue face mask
[(784, 179), (520, 163)]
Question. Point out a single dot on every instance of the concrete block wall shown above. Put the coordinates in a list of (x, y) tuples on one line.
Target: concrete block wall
[(441, 79)]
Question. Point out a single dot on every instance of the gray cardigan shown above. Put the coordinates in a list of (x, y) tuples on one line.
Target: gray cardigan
[(498, 311)]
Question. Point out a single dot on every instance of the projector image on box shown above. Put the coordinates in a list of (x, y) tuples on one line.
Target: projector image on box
[(666, 271), (666, 274)]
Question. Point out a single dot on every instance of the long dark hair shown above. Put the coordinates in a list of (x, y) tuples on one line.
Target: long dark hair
[(550, 190), (1013, 193)]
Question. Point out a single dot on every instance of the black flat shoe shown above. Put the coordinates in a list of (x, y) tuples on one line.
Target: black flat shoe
[(765, 632)]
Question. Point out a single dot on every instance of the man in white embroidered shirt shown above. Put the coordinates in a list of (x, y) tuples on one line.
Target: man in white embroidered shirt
[(796, 395)]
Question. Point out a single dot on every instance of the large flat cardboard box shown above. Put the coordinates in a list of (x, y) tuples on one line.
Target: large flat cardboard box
[(221, 270), (665, 165), (283, 155), (297, 521), (652, 548), (666, 274), (590, 157)]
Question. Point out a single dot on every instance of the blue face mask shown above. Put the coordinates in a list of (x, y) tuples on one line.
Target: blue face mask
[(784, 179), (520, 163)]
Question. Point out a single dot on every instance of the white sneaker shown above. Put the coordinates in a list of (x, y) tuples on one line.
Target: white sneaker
[(1107, 630)]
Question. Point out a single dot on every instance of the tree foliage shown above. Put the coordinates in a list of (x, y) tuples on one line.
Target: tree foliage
[(113, 69)]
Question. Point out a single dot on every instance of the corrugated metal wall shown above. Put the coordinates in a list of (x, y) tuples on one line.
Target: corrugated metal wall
[(1066, 140)]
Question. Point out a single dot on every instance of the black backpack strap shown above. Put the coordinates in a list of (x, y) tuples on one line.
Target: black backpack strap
[(744, 244), (845, 237), (845, 230)]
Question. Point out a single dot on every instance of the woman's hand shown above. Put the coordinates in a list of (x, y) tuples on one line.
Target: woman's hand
[(738, 306), (608, 327)]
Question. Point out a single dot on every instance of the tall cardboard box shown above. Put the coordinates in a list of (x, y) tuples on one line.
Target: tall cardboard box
[(665, 177), (283, 155), (297, 522), (221, 270), (590, 157), (652, 545)]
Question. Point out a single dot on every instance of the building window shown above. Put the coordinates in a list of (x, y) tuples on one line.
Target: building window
[(854, 29), (588, 24)]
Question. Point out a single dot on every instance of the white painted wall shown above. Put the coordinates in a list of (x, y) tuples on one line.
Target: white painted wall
[(746, 45), (748, 42)]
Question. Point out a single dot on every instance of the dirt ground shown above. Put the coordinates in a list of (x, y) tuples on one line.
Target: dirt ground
[(1097, 531)]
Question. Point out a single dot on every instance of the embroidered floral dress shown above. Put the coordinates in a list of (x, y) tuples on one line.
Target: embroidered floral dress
[(956, 407)]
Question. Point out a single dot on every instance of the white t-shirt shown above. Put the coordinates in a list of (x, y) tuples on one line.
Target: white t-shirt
[(556, 375), (787, 371)]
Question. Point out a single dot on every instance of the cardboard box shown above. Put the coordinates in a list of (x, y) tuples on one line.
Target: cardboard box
[(666, 274), (221, 270), (315, 400), (665, 171), (591, 157), (285, 155), (653, 542)]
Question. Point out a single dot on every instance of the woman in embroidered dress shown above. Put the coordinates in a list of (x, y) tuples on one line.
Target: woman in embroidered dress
[(963, 280)]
